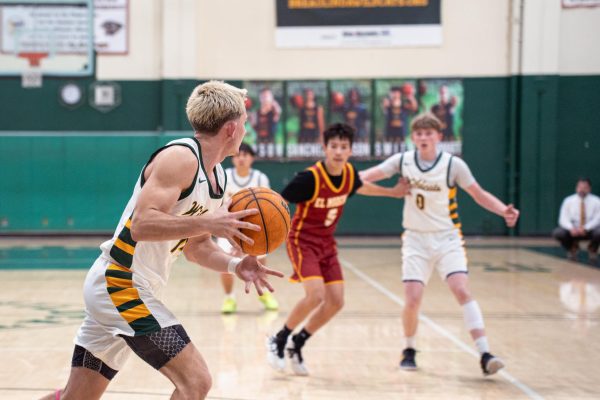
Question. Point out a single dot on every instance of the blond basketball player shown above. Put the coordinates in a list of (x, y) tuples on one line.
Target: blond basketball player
[(242, 176), (175, 208), (432, 237)]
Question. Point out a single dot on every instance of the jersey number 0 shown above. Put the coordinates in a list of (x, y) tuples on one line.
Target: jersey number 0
[(420, 201)]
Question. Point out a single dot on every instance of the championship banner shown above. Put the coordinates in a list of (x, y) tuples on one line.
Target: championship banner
[(358, 23)]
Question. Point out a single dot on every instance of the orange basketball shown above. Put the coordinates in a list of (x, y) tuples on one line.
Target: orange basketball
[(273, 219), (337, 99)]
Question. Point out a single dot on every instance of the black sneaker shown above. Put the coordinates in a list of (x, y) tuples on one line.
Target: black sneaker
[(296, 359), (408, 359), (275, 356), (490, 364)]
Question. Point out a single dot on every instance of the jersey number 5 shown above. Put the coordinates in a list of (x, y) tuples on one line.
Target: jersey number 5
[(420, 201), (331, 216)]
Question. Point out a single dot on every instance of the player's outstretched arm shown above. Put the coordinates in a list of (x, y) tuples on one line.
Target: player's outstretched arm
[(401, 189), (383, 170), (491, 203), (372, 174), (171, 172), (203, 251)]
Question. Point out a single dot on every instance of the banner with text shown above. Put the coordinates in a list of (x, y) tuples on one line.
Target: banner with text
[(358, 23)]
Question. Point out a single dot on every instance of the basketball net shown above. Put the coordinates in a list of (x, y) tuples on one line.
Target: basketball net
[(32, 77)]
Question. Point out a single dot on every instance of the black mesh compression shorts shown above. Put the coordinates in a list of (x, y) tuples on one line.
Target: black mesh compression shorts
[(158, 348), (83, 358)]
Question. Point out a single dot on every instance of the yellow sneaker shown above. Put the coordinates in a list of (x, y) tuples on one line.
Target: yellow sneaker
[(229, 305), (269, 302)]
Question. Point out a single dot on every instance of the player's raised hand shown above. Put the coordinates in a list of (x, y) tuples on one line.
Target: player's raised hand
[(402, 187), (251, 271), (228, 225), (511, 215)]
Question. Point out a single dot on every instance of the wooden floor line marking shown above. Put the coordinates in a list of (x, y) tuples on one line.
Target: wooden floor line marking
[(532, 394)]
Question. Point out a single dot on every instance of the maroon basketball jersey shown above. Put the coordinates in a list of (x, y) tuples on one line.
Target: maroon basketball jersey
[(316, 219)]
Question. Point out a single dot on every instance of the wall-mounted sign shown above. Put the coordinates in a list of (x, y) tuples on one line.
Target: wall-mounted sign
[(358, 23), (111, 26), (580, 3), (105, 96)]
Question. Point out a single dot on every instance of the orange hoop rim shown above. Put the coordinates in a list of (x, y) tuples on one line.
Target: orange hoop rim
[(35, 58)]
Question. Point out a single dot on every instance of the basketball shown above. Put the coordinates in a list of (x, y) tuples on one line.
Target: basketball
[(273, 219), (297, 100), (337, 99)]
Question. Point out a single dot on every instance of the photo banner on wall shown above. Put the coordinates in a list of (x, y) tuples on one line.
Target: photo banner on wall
[(264, 126), (400, 100), (358, 23), (350, 103), (305, 118), (286, 119)]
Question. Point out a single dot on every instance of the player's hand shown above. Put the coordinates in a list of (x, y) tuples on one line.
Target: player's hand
[(402, 188), (251, 271), (227, 225), (511, 215)]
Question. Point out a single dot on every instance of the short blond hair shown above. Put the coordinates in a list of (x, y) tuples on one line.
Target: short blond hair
[(426, 121), (214, 103)]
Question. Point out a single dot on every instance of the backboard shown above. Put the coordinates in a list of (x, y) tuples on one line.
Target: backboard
[(48, 37)]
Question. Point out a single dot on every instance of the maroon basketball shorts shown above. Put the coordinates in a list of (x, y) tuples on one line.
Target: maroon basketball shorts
[(315, 261)]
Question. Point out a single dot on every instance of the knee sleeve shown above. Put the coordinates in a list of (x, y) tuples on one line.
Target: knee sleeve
[(85, 359), (472, 316)]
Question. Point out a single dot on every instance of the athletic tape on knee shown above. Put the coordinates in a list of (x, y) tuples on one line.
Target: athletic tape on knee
[(472, 315)]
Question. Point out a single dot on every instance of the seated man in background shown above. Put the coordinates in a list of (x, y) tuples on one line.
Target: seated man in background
[(579, 219)]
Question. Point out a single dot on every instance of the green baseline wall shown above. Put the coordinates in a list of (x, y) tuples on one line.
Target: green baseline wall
[(525, 138)]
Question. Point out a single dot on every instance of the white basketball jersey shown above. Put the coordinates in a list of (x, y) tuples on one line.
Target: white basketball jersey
[(432, 205), (236, 183), (150, 262)]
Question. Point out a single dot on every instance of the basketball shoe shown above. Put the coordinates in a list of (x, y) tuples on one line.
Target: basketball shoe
[(490, 364), (296, 359), (269, 301), (408, 359), (229, 305), (275, 353)]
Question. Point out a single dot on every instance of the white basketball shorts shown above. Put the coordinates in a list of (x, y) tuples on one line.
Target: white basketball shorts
[(422, 252)]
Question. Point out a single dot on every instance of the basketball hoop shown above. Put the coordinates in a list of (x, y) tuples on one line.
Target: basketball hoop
[(34, 58), (32, 77)]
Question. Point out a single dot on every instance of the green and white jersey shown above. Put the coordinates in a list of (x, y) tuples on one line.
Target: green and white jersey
[(235, 183), (150, 262), (432, 204)]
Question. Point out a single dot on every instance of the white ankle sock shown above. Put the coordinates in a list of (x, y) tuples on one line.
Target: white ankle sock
[(482, 344), (411, 342)]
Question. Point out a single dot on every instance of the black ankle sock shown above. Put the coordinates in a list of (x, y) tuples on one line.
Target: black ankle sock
[(283, 334), (301, 337)]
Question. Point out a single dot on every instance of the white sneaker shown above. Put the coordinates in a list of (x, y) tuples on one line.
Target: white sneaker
[(296, 360), (275, 355), (490, 364)]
